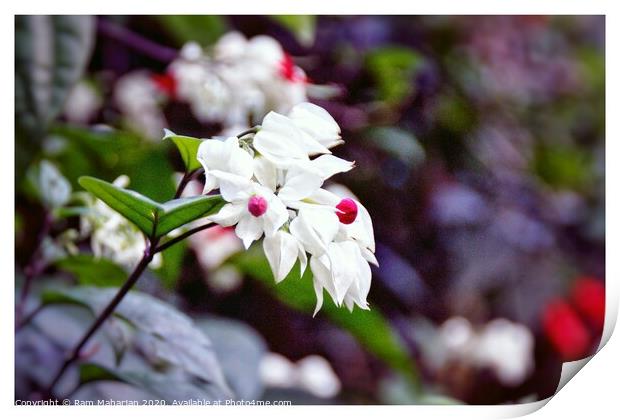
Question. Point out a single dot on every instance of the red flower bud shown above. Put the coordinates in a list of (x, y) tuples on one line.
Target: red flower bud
[(348, 211), (257, 205)]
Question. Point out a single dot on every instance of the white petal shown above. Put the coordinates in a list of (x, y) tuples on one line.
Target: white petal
[(265, 172), (329, 165), (303, 259), (249, 229), (299, 184), (317, 123), (228, 215), (275, 216), (233, 187), (315, 229), (322, 196), (279, 137), (212, 153), (369, 256), (281, 251), (361, 229)]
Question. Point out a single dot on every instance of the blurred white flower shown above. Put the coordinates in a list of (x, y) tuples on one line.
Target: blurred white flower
[(83, 103), (112, 236), (239, 81), (506, 348), (313, 374), (317, 377), (137, 96), (54, 188)]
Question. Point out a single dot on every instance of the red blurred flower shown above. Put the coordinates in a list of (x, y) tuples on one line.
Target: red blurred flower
[(566, 331), (588, 296), (165, 83), (289, 71)]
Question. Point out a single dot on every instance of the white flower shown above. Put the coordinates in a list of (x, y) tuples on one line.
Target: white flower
[(275, 190), (317, 123), (344, 273), (254, 208), (240, 81), (54, 188), (282, 142), (224, 156), (282, 251)]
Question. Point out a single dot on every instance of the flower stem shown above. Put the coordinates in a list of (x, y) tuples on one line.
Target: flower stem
[(131, 280), (188, 176), (179, 238), (252, 130)]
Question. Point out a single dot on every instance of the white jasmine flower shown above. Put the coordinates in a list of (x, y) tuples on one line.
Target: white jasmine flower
[(224, 156), (253, 208)]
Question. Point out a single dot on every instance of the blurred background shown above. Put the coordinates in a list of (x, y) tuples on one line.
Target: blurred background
[(479, 144)]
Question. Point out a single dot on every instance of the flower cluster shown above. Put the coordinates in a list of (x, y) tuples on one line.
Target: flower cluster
[(237, 81), (273, 184)]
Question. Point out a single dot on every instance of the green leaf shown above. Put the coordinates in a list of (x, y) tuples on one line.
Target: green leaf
[(51, 53), (145, 213), (188, 148), (176, 213), (165, 337), (370, 328), (90, 270), (136, 208), (393, 69), (203, 29), (302, 26)]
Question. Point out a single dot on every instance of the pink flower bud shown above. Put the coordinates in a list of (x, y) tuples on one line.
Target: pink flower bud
[(348, 211), (257, 205)]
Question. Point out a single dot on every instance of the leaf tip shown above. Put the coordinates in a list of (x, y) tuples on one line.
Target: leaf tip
[(168, 134)]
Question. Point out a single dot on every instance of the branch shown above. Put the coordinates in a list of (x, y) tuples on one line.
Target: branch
[(135, 41), (185, 180), (131, 280), (179, 238)]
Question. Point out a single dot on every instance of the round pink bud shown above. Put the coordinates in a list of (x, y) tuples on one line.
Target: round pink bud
[(257, 205), (348, 211)]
